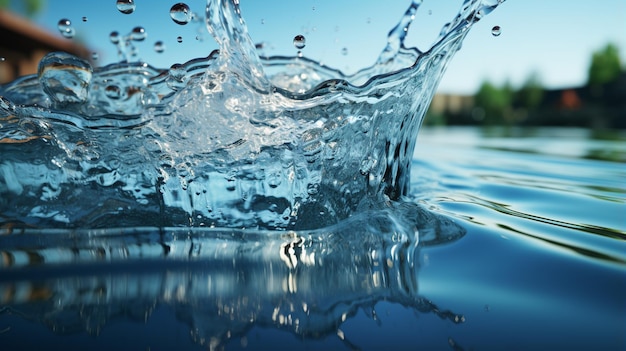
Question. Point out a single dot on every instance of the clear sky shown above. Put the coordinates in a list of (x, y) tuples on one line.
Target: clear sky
[(554, 38)]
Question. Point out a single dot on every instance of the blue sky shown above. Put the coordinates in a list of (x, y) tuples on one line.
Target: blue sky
[(553, 38)]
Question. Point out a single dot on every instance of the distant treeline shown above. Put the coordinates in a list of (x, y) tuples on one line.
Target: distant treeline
[(600, 103)]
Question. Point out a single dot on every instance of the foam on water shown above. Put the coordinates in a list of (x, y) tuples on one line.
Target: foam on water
[(230, 140)]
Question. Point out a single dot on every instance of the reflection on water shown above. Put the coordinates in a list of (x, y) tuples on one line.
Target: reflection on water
[(605, 145), (220, 283)]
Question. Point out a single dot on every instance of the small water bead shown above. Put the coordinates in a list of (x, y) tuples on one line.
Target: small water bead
[(179, 39), (64, 24), (84, 18), (114, 37), (159, 47), (65, 28), (344, 51), (299, 41), (180, 13), (496, 31), (126, 6), (2, 59), (138, 34), (64, 78), (95, 56), (177, 76)]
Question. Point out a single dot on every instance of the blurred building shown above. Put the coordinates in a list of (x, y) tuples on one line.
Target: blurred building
[(23, 45)]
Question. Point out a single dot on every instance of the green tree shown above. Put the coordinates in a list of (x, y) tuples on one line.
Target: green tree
[(494, 102), (530, 95), (29, 7), (605, 65)]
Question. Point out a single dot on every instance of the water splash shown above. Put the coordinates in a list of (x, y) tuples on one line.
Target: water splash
[(230, 140)]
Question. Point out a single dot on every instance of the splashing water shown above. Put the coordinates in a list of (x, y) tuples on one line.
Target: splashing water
[(230, 140)]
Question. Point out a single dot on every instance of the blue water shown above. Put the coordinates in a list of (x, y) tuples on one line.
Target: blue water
[(518, 249)]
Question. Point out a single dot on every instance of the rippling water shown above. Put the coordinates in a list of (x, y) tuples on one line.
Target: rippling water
[(517, 250)]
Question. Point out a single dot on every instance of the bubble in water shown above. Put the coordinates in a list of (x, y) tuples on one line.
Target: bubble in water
[(114, 37), (66, 29), (496, 31), (179, 39), (126, 6), (180, 13), (159, 47), (64, 78), (299, 41), (138, 34)]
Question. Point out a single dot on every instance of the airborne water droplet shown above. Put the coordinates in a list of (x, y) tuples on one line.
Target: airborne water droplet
[(180, 13), (496, 31), (344, 51), (66, 29), (126, 6), (138, 34), (84, 18), (159, 47), (179, 39), (114, 37), (95, 56), (299, 41), (64, 24)]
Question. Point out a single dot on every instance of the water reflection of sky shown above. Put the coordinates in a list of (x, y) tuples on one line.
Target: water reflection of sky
[(554, 38)]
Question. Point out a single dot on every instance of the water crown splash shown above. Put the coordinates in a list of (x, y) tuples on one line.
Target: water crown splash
[(232, 140)]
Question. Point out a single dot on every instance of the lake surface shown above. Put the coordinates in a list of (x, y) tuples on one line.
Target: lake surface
[(521, 245)]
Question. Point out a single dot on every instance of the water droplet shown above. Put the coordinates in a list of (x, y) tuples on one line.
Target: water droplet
[(138, 34), (84, 18), (65, 28), (177, 71), (114, 37), (179, 39), (344, 51), (95, 56), (496, 31), (430, 12), (299, 41), (64, 24), (64, 78), (180, 13), (126, 6), (2, 59), (262, 21), (159, 47)]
